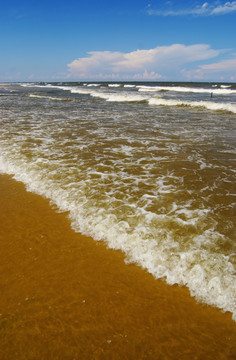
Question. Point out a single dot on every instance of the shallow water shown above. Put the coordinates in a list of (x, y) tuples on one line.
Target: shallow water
[(65, 296), (148, 168)]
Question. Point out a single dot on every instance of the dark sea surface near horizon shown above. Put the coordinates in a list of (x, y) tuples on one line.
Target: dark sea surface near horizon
[(149, 168)]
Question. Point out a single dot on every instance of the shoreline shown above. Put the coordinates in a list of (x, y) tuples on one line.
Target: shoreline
[(66, 296)]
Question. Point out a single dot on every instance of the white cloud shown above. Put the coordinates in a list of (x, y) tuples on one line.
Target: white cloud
[(163, 56), (96, 61), (225, 69), (224, 65), (144, 64), (224, 9), (205, 9)]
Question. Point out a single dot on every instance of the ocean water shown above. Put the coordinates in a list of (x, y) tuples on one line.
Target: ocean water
[(149, 168)]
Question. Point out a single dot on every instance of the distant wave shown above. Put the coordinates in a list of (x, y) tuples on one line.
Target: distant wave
[(119, 97), (136, 97), (145, 94), (114, 85), (129, 86), (222, 91), (225, 86), (49, 97), (206, 104), (106, 95), (92, 85)]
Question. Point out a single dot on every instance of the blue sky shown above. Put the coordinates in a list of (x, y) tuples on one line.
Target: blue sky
[(95, 40)]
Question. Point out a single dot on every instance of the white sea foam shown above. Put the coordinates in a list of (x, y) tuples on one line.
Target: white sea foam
[(25, 84), (196, 268), (114, 85), (206, 104), (119, 97), (145, 88), (48, 97), (129, 86), (109, 96), (93, 85), (225, 86), (223, 91)]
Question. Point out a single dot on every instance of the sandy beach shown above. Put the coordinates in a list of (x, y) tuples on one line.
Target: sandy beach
[(65, 296)]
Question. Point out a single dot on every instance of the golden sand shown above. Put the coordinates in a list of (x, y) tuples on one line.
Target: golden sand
[(65, 296)]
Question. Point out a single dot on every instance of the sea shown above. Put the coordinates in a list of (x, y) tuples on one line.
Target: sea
[(147, 167)]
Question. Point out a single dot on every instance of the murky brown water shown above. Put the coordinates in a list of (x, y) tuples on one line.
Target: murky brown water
[(153, 176), (64, 296)]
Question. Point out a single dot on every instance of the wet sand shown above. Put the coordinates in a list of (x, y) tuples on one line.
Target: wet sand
[(65, 296)]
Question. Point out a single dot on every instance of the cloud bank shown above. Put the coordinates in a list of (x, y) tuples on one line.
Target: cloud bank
[(162, 62), (205, 9), (224, 70)]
